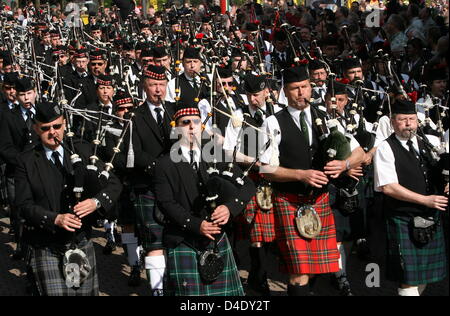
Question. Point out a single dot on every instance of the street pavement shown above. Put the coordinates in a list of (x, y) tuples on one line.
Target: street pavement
[(113, 273)]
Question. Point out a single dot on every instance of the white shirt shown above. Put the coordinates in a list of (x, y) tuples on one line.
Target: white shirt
[(12, 105), (205, 109), (232, 133), (384, 161), (170, 95), (24, 112), (353, 142), (109, 106), (49, 152), (152, 108), (321, 91), (272, 127), (186, 156), (385, 128)]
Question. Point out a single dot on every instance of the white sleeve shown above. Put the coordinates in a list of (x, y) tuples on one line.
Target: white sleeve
[(384, 130), (271, 127), (205, 108), (384, 164), (170, 93), (353, 143), (446, 141), (232, 133)]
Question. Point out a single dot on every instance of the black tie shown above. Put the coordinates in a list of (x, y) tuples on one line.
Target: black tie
[(304, 127), (193, 163), (29, 120), (194, 84), (57, 162), (412, 150), (159, 118), (258, 118)]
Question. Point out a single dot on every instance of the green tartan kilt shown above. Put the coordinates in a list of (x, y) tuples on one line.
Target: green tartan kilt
[(184, 279), (45, 266), (149, 232), (410, 264)]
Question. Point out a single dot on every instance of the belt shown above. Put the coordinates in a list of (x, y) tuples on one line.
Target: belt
[(80, 241), (300, 198)]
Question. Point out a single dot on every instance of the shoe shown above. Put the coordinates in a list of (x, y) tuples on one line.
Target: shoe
[(312, 285), (261, 286), (135, 277), (343, 285), (109, 247), (362, 249), (157, 292)]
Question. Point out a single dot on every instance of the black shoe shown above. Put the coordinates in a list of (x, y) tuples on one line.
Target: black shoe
[(297, 290), (135, 277), (343, 285), (157, 292), (109, 247), (260, 286), (362, 249)]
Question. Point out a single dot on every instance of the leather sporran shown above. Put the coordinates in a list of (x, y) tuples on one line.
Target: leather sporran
[(423, 229), (347, 201), (264, 197), (76, 267), (308, 222), (210, 265)]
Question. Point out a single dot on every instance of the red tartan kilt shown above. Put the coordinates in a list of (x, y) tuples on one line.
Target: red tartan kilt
[(254, 224), (300, 255)]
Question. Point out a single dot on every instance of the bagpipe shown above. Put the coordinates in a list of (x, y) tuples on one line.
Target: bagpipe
[(335, 146), (437, 158)]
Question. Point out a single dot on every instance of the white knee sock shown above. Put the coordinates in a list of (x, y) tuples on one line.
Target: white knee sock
[(342, 261), (110, 226), (411, 291), (155, 266), (131, 242)]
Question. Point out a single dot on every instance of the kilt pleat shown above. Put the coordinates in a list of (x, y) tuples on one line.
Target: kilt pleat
[(184, 279), (148, 230), (412, 265), (300, 255), (46, 266)]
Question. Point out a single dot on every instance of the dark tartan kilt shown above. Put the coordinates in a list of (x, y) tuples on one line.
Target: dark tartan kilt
[(47, 274), (256, 224), (300, 255), (409, 264), (149, 232), (184, 279)]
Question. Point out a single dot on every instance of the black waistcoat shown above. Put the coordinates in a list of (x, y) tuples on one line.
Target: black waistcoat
[(221, 119), (295, 153), (412, 174), (188, 93), (250, 138)]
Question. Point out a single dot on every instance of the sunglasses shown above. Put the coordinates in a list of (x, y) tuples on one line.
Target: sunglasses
[(97, 64), (121, 109), (188, 122), (47, 128)]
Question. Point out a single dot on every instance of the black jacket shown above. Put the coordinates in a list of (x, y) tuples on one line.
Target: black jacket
[(148, 143), (15, 137), (40, 189), (181, 198)]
